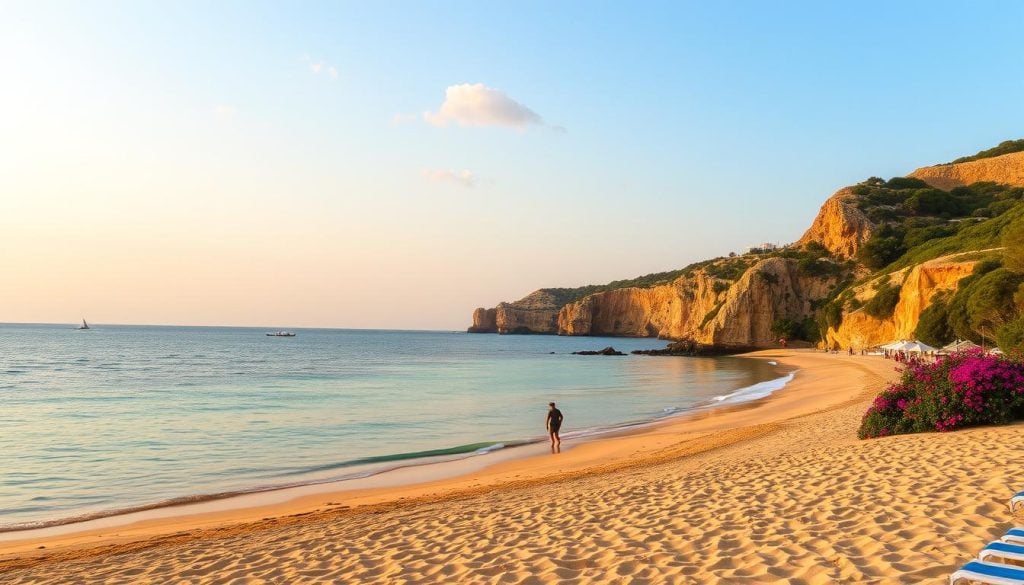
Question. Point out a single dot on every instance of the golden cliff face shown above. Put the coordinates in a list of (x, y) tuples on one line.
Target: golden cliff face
[(839, 226), (690, 308), (772, 289), (1007, 169), (510, 318), (918, 286), (484, 321), (668, 311), (740, 314)]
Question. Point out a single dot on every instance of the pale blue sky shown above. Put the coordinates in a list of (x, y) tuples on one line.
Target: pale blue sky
[(270, 163)]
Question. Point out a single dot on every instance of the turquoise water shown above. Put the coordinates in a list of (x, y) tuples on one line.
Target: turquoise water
[(124, 416)]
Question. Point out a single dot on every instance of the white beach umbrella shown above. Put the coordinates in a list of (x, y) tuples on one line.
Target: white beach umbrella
[(960, 345), (918, 347), (894, 346)]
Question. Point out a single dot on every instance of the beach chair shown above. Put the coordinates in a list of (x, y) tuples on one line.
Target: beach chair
[(991, 574), (1014, 536), (1017, 500), (1002, 550)]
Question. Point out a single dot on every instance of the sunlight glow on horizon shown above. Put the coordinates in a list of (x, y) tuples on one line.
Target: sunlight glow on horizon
[(350, 165)]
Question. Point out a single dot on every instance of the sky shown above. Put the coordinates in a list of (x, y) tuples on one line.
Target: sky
[(397, 164)]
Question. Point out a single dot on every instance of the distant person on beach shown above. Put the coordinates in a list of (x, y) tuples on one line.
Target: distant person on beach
[(554, 423)]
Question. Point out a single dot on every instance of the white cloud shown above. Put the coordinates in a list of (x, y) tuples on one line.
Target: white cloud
[(323, 68), (463, 178), (475, 104)]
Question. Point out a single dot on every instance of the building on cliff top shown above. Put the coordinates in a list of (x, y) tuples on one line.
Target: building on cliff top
[(763, 248)]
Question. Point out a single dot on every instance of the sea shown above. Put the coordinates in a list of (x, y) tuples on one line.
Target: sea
[(119, 418)]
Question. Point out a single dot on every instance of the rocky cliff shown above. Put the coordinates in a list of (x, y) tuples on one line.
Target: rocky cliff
[(703, 308), (839, 226), (773, 289), (670, 311), (534, 313), (918, 287), (742, 302), (484, 321), (1007, 169)]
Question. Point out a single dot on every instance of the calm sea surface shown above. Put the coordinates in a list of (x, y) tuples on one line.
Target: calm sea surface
[(124, 416)]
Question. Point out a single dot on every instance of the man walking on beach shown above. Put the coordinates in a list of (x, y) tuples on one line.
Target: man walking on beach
[(554, 423)]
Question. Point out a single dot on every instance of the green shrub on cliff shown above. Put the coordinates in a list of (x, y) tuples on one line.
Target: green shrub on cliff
[(803, 330), (1005, 147), (1011, 336), (882, 305), (916, 222), (1013, 247), (933, 324)]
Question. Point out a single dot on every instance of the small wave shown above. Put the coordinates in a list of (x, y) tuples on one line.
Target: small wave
[(754, 392), (477, 448), (452, 452)]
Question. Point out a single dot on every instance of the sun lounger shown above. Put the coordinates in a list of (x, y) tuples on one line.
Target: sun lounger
[(1002, 550), (1014, 536), (1015, 501), (989, 573)]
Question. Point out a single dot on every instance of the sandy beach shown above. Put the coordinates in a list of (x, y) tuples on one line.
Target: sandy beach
[(780, 491)]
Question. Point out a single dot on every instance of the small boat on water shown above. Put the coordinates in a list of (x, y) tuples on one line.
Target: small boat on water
[(281, 334), (85, 325)]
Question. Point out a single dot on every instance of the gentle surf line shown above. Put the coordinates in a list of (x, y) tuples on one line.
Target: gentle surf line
[(745, 394)]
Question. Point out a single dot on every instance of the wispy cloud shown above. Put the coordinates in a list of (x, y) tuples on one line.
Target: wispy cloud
[(321, 67), (475, 104), (463, 178)]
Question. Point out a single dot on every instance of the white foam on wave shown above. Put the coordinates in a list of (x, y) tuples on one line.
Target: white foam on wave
[(756, 391), (490, 448)]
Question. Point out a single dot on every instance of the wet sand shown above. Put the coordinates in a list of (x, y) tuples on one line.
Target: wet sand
[(780, 490)]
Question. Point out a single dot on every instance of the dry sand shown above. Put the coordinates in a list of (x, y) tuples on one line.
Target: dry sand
[(779, 492)]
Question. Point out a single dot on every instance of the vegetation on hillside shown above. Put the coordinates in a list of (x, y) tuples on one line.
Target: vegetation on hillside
[(910, 214), (987, 305), (1005, 147), (813, 260), (913, 223)]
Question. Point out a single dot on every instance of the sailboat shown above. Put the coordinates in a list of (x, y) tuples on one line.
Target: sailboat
[(85, 325)]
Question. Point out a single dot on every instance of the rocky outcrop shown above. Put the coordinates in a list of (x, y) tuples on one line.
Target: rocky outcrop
[(705, 312), (671, 311), (918, 287), (772, 289), (537, 312), (700, 309), (839, 226), (606, 351), (1007, 169), (511, 318), (484, 321)]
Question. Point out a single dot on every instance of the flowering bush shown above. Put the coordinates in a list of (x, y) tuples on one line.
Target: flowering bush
[(965, 389)]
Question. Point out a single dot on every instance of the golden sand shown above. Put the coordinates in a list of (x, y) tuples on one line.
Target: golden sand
[(778, 492)]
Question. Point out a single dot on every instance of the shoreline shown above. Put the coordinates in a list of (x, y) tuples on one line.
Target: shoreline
[(435, 465), (660, 440)]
